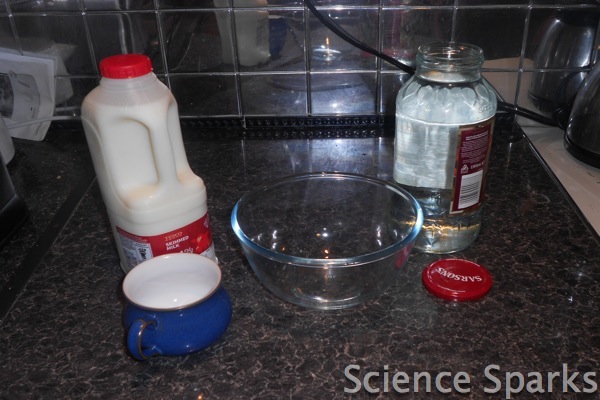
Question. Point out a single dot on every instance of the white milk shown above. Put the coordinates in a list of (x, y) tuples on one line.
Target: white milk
[(155, 202)]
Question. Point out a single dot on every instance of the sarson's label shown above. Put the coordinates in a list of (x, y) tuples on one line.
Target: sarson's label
[(472, 155)]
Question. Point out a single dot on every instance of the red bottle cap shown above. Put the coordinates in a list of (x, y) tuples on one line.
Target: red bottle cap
[(124, 66), (457, 280)]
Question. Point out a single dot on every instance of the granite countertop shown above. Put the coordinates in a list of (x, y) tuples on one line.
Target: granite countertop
[(62, 337)]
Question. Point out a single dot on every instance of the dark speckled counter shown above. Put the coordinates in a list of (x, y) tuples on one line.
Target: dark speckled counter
[(63, 336)]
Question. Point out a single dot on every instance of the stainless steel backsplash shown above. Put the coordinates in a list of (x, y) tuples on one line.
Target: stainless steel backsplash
[(273, 58)]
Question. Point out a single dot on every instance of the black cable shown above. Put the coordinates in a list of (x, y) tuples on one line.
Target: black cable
[(502, 106), (523, 112), (338, 30)]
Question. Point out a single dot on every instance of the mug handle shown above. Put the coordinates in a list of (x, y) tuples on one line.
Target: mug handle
[(134, 340)]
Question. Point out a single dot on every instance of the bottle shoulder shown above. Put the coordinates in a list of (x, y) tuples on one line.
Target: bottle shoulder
[(446, 103), (100, 100), (415, 83)]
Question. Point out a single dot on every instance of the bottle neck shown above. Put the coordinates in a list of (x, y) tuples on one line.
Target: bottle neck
[(449, 62), (129, 83)]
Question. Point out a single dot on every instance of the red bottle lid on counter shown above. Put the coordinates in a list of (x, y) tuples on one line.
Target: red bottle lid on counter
[(457, 280)]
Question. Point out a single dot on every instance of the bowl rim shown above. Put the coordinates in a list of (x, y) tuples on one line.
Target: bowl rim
[(329, 262)]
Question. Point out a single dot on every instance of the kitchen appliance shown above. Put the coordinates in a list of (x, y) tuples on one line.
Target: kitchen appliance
[(27, 94), (565, 47), (582, 138), (13, 210), (7, 148)]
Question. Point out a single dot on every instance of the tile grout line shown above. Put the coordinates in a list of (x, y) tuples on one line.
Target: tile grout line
[(16, 284)]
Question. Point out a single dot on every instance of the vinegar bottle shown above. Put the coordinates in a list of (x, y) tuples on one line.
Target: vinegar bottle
[(444, 125), (155, 202)]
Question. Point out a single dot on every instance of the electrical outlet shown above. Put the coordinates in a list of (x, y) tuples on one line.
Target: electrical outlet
[(27, 94)]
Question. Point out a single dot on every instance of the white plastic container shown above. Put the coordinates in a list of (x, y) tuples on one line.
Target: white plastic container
[(252, 37), (155, 202)]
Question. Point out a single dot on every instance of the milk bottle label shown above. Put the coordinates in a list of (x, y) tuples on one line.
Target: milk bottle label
[(473, 152), (193, 238)]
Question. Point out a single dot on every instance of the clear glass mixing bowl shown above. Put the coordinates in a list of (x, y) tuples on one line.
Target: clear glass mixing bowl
[(327, 240)]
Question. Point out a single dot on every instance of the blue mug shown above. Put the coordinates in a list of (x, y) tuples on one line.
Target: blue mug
[(175, 306)]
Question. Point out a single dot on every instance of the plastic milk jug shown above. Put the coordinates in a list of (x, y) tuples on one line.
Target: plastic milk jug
[(155, 203)]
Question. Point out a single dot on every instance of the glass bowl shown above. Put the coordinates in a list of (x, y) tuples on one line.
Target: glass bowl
[(327, 240)]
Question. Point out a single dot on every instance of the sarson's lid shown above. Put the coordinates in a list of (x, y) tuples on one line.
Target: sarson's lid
[(457, 280)]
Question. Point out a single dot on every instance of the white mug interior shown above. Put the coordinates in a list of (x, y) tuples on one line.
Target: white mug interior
[(172, 281)]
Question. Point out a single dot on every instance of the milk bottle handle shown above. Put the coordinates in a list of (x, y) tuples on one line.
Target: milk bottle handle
[(164, 155)]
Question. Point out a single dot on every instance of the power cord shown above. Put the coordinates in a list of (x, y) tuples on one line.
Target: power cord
[(338, 30), (502, 105)]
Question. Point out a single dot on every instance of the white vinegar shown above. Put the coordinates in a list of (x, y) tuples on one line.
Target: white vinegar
[(444, 124)]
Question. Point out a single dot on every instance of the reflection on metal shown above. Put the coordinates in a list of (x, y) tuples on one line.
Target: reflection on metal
[(326, 53), (567, 43)]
